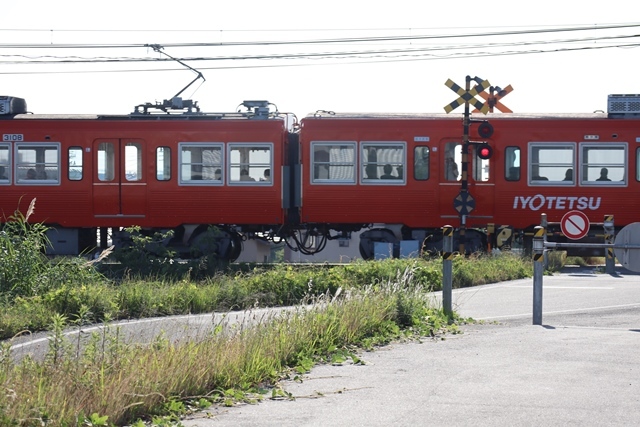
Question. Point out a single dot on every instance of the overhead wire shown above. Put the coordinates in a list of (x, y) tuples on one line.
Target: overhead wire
[(412, 53)]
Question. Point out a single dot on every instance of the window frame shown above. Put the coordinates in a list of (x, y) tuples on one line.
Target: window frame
[(507, 167), (365, 145), (416, 165), (81, 167), (18, 165), (604, 145), (219, 146), (551, 145), (231, 146), (8, 169), (328, 181)]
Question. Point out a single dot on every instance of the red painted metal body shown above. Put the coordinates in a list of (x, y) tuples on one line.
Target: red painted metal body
[(148, 201)]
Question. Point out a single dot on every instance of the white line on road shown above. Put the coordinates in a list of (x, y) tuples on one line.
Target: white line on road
[(577, 310)]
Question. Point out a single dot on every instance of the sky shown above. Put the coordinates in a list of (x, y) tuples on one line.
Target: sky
[(302, 56)]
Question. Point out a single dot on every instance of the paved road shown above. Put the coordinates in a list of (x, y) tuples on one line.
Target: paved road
[(581, 367)]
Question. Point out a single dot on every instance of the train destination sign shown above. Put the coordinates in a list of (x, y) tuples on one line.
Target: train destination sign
[(575, 225)]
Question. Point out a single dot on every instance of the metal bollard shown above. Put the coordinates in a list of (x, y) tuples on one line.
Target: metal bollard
[(447, 270), (609, 236), (538, 272), (545, 224)]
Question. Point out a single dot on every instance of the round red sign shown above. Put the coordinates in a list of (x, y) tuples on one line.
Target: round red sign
[(575, 225)]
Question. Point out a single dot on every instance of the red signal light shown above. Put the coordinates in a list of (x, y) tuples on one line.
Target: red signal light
[(484, 151), (485, 130)]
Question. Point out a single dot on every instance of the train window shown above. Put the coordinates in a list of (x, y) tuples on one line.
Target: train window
[(383, 162), (5, 165), (75, 164), (133, 161), (250, 163), (421, 163), (163, 163), (552, 163), (200, 163), (106, 161), (333, 162), (38, 163), (452, 158), (512, 163), (603, 164)]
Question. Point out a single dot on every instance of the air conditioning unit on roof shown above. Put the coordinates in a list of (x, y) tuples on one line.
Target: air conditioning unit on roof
[(623, 105), (11, 105)]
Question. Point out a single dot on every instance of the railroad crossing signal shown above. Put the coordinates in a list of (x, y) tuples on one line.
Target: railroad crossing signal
[(464, 203), (468, 96), (493, 99)]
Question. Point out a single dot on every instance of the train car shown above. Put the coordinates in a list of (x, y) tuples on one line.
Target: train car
[(554, 164), (179, 170), (400, 177), (379, 172)]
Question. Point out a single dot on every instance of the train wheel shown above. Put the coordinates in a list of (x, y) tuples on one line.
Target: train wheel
[(213, 242), (368, 239), (236, 246)]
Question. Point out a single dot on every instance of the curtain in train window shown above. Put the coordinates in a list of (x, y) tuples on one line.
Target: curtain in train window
[(75, 171), (333, 162), (201, 163), (250, 163), (383, 161), (38, 163), (603, 163)]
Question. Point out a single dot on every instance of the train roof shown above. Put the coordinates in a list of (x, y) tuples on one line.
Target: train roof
[(443, 116), (159, 117), (13, 108)]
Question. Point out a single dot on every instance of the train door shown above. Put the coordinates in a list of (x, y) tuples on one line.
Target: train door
[(119, 182), (480, 186)]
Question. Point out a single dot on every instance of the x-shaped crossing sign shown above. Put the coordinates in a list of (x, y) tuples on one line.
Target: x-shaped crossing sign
[(493, 99), (467, 96)]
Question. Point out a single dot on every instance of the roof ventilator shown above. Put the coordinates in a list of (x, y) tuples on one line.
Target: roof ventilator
[(620, 106)]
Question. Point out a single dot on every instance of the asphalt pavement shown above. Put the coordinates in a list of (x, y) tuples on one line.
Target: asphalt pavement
[(581, 367)]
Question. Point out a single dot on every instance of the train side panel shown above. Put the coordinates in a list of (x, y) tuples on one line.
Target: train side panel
[(547, 147), (150, 173)]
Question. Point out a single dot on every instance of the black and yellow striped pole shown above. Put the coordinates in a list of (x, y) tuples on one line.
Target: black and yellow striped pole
[(447, 270), (609, 237), (538, 272)]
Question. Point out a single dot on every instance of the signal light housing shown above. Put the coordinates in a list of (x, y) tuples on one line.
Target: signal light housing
[(485, 130), (484, 151)]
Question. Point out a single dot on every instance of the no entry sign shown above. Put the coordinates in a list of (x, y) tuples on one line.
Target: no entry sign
[(575, 225)]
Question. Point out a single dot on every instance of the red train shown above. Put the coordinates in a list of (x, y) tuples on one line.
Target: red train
[(261, 174)]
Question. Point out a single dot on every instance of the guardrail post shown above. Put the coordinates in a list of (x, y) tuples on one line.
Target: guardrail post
[(609, 235), (545, 224), (538, 272), (447, 270)]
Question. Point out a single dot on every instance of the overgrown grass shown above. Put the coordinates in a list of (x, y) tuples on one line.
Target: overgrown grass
[(362, 304), (278, 286), (128, 383)]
